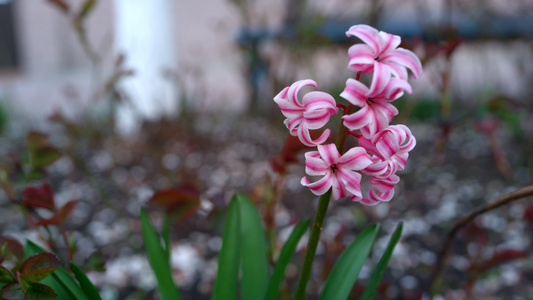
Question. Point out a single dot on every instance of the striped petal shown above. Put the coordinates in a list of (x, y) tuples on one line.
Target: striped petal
[(352, 182), (314, 165), (292, 93), (405, 58), (359, 119), (319, 187), (360, 57), (355, 92), (355, 159), (329, 153), (389, 42), (381, 78), (368, 35)]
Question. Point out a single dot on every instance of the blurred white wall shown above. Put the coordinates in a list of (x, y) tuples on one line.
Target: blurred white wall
[(144, 34)]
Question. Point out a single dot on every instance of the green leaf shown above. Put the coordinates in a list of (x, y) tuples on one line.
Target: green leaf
[(36, 140), (13, 292), (165, 232), (86, 285), (253, 250), (158, 260), (346, 270), (284, 258), (39, 266), (39, 291), (382, 265), (45, 156), (60, 281), (5, 276), (228, 257), (86, 9)]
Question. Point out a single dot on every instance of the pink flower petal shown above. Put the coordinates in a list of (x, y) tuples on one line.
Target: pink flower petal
[(384, 185), (355, 159), (375, 198), (305, 137), (396, 70), (360, 54), (359, 119), (367, 34), (355, 92), (292, 93), (380, 79), (376, 169), (406, 58), (315, 166), (389, 42), (329, 153), (352, 182), (319, 187), (338, 187), (388, 145)]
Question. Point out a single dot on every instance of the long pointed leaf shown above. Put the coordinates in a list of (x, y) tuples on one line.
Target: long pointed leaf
[(86, 285), (346, 270), (158, 260), (60, 281), (228, 257), (284, 258), (253, 250), (382, 265)]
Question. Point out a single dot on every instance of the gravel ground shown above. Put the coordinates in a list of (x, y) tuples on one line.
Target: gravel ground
[(114, 177)]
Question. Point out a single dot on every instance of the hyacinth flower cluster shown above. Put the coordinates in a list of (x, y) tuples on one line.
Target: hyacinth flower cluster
[(382, 148)]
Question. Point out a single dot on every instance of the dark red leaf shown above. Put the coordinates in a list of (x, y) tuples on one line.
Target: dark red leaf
[(13, 246), (179, 202), (499, 257), (173, 198), (39, 197), (528, 215), (66, 209), (39, 266), (55, 220)]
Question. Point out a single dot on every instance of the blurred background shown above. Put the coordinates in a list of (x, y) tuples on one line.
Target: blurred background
[(144, 95)]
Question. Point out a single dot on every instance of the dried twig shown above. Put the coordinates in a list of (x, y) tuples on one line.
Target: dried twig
[(435, 278)]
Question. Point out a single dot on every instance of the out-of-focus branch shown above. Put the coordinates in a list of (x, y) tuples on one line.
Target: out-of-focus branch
[(435, 278)]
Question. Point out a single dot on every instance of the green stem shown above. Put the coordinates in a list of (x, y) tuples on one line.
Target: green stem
[(320, 215), (312, 244)]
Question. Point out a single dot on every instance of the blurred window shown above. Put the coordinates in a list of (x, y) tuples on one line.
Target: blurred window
[(8, 47)]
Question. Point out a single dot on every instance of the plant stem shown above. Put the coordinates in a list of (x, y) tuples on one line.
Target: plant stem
[(320, 215), (312, 244)]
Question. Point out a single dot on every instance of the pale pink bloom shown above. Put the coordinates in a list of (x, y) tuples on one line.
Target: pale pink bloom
[(380, 55), (384, 188), (389, 150), (339, 172), (312, 113), (376, 112)]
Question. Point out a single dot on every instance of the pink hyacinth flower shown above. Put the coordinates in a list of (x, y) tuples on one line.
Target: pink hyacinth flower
[(339, 172), (312, 113), (376, 112), (389, 150), (380, 55)]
